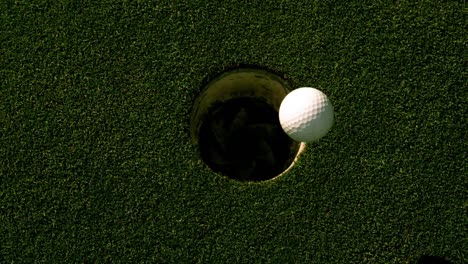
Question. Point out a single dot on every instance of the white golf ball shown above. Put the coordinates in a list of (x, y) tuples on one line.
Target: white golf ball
[(306, 114)]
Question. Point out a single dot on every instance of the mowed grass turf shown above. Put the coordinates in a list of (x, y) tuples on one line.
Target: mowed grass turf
[(97, 165)]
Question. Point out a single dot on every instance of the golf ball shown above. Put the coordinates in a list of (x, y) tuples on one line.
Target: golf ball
[(306, 114)]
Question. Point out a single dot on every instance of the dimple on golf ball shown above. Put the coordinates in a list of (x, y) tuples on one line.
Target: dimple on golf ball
[(306, 114)]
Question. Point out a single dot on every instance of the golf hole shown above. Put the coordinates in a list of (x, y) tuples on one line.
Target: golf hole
[(235, 124)]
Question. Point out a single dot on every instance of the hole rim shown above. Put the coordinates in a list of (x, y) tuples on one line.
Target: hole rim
[(197, 119)]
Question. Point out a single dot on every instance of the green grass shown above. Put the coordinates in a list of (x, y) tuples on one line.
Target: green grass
[(96, 162)]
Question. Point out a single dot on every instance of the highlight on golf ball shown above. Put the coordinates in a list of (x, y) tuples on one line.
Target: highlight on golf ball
[(306, 114)]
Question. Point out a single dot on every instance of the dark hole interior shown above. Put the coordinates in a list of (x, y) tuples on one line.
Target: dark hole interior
[(242, 139)]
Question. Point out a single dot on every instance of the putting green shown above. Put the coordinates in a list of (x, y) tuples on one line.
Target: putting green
[(97, 162)]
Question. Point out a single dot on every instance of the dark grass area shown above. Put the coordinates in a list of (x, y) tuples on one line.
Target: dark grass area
[(96, 162)]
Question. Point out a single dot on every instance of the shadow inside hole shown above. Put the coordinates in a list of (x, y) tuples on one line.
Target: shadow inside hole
[(432, 260), (242, 139)]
